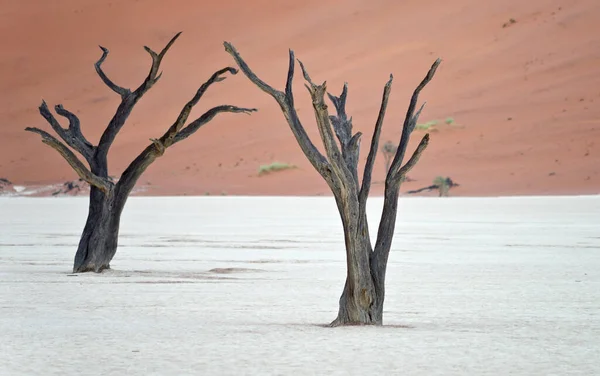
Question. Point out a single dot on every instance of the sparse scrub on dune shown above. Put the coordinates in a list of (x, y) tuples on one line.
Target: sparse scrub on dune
[(510, 22), (273, 167), (432, 125), (426, 126)]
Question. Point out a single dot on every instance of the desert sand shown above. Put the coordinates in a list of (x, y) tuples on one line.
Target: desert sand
[(523, 94), (230, 285)]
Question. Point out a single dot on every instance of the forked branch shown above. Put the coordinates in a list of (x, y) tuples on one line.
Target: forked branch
[(395, 174), (123, 92), (366, 182), (208, 116), (342, 126), (177, 132), (317, 93), (409, 121), (278, 95), (83, 172), (286, 102), (174, 135), (72, 135), (128, 99), (154, 75), (75, 129), (401, 173)]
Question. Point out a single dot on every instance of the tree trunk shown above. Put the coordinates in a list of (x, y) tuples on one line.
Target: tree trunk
[(98, 243), (352, 311), (359, 303)]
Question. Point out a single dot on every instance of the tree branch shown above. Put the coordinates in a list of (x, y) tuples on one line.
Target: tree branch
[(410, 121), (278, 95), (393, 180), (342, 127), (103, 184), (75, 130), (317, 93), (129, 100), (286, 102), (72, 136), (176, 133), (341, 124), (123, 92), (154, 75), (413, 159), (185, 112), (206, 117), (366, 182)]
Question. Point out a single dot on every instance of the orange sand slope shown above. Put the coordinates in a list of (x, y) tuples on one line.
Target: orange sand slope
[(524, 94)]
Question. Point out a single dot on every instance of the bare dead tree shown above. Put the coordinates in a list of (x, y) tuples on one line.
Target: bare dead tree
[(362, 299), (442, 184), (98, 243)]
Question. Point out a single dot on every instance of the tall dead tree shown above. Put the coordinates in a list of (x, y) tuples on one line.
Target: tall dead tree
[(98, 243), (362, 299)]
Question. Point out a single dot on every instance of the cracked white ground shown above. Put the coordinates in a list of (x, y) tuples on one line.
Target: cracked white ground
[(233, 285)]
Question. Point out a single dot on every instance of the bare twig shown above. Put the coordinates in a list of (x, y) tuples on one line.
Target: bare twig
[(129, 100), (177, 132), (317, 93), (395, 174), (366, 182), (286, 102), (410, 120), (171, 135), (72, 135), (154, 75), (206, 117), (123, 92), (253, 77), (103, 184), (413, 159), (342, 126)]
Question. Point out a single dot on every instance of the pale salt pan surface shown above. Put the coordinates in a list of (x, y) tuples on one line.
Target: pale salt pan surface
[(475, 286)]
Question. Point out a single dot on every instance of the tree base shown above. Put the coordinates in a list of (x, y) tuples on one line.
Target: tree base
[(91, 268), (337, 322), (358, 309)]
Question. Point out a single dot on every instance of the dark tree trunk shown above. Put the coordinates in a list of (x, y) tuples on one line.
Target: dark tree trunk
[(98, 243), (364, 291), (360, 299)]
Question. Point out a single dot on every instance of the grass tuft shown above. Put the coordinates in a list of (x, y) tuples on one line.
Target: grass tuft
[(426, 126), (275, 166)]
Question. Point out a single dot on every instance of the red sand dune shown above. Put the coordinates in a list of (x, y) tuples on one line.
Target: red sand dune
[(525, 97)]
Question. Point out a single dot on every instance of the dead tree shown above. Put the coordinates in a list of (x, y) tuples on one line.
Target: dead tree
[(362, 299), (442, 184), (98, 243)]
